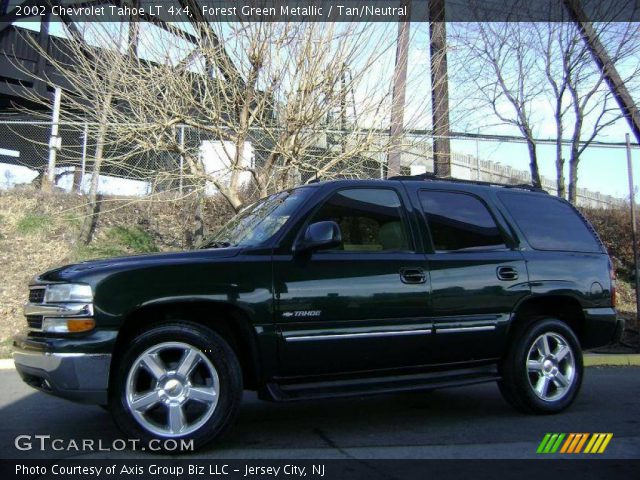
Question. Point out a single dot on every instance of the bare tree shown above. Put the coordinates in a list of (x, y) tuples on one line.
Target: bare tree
[(531, 69), (590, 107), (499, 62), (270, 104)]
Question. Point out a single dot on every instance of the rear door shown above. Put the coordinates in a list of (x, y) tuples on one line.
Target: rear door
[(477, 275)]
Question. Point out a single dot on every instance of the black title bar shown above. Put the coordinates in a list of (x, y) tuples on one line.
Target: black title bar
[(313, 10)]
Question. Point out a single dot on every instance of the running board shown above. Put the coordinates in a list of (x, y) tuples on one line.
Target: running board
[(378, 385)]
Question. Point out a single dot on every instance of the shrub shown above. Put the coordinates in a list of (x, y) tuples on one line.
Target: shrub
[(117, 241), (613, 224), (132, 238)]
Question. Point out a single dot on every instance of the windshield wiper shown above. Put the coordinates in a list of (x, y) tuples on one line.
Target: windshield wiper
[(215, 244)]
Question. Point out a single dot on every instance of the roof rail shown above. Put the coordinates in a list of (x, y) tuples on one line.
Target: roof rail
[(431, 176)]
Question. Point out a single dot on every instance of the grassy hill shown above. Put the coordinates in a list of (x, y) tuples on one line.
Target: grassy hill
[(38, 231)]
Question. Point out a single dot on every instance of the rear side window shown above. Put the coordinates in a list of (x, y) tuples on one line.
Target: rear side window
[(548, 223), (458, 221)]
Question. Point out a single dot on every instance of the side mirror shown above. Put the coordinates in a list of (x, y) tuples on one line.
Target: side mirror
[(319, 236)]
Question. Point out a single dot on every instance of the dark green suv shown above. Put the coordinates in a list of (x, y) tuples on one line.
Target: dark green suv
[(334, 288)]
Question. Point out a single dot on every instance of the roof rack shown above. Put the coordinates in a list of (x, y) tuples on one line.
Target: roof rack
[(431, 176)]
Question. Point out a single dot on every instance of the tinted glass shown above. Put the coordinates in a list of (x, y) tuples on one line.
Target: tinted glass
[(458, 221), (549, 223), (370, 220), (258, 223)]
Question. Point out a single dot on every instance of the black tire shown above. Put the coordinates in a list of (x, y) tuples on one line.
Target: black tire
[(204, 341), (517, 383)]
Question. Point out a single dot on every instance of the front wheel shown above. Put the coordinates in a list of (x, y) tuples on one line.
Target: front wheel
[(178, 381), (542, 370)]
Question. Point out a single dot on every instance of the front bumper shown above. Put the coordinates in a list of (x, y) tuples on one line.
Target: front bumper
[(78, 376), (82, 377)]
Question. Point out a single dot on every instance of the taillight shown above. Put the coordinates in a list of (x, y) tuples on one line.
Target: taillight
[(612, 276)]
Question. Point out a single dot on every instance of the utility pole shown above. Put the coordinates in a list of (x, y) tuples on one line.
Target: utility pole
[(343, 109), (134, 30), (54, 143), (399, 91), (43, 43), (634, 233), (439, 89), (606, 66)]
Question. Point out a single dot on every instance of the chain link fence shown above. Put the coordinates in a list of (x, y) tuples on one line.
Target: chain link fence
[(129, 169)]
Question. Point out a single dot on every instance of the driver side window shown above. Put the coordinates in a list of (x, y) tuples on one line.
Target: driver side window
[(370, 220)]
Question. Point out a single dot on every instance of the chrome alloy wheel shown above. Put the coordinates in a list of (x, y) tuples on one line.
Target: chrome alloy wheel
[(551, 367), (172, 389)]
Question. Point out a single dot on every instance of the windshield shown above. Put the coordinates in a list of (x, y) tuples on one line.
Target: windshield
[(258, 223)]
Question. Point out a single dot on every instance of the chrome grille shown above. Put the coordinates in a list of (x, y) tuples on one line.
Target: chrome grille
[(36, 295)]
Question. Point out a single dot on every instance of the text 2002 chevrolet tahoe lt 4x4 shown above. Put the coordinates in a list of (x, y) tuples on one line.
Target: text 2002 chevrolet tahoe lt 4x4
[(334, 288)]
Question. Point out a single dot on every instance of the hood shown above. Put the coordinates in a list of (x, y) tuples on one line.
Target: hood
[(96, 267)]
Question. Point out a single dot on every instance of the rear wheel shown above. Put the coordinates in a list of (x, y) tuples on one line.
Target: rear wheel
[(176, 381), (542, 370)]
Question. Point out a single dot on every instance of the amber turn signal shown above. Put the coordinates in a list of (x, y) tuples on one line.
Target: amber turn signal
[(80, 325), (68, 325)]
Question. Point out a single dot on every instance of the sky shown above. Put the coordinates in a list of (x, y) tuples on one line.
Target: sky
[(601, 169)]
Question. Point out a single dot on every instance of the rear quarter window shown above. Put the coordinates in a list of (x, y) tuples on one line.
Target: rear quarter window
[(549, 223)]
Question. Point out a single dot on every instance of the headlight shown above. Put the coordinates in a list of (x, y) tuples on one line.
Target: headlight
[(68, 292)]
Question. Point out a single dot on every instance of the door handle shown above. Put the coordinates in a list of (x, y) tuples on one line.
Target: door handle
[(413, 275), (507, 273)]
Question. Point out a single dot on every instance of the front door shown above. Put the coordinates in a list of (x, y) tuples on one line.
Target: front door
[(361, 306)]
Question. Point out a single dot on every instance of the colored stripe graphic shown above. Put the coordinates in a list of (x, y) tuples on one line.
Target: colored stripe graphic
[(604, 445), (556, 445), (574, 443), (543, 443), (577, 441), (593, 440), (565, 447), (581, 443), (598, 443), (551, 442)]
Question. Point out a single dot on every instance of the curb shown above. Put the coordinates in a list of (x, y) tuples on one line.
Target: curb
[(6, 364), (590, 360), (611, 359)]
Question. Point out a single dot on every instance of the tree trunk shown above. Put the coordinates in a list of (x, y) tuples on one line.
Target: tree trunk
[(533, 164), (560, 184), (573, 176), (232, 197), (93, 208), (198, 230), (574, 157), (439, 89), (77, 180)]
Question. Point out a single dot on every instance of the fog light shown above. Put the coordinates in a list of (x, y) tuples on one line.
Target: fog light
[(68, 325)]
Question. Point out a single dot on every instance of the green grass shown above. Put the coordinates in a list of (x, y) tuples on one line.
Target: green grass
[(32, 223), (133, 238), (118, 241), (73, 220)]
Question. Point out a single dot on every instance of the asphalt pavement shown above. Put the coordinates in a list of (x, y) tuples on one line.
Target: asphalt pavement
[(465, 422)]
